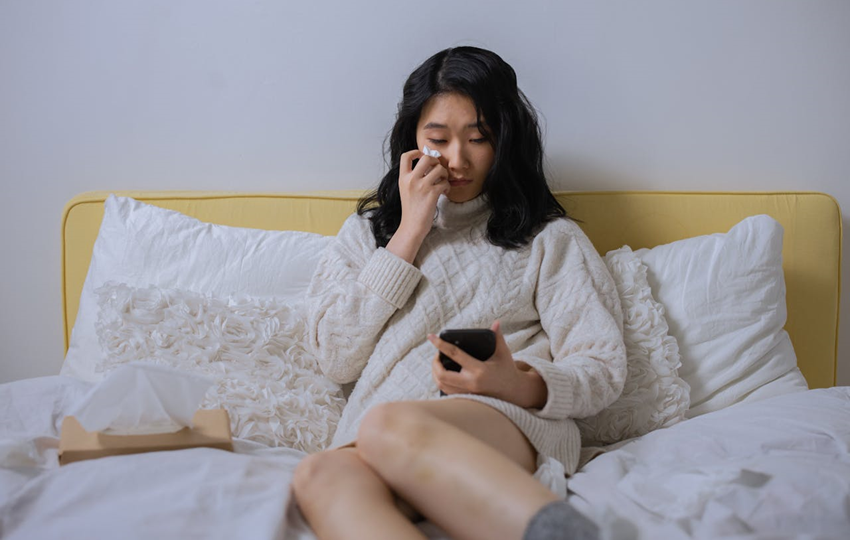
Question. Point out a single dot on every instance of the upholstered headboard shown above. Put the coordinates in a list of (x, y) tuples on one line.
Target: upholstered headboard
[(811, 249)]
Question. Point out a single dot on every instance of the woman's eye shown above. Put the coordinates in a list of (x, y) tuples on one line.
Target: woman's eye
[(437, 141), (482, 140)]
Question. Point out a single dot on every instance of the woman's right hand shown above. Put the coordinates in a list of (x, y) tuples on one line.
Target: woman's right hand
[(419, 188)]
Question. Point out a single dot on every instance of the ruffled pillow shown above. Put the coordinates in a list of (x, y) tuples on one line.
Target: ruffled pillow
[(654, 396), (253, 348)]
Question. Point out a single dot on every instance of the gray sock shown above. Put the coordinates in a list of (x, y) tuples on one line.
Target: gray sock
[(559, 520)]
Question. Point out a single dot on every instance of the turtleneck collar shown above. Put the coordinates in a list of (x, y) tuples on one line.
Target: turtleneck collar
[(452, 215)]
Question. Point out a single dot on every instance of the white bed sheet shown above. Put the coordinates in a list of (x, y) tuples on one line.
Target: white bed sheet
[(199, 493), (777, 468)]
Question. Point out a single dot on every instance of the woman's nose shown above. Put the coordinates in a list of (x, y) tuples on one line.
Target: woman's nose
[(455, 157)]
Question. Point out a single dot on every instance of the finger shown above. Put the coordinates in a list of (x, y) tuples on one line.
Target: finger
[(435, 367), (438, 369), (405, 163), (436, 175), (501, 344), (455, 381), (451, 389), (455, 353), (442, 374), (450, 382), (425, 166)]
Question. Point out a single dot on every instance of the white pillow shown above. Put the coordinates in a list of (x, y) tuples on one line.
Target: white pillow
[(653, 396), (142, 245), (724, 298), (253, 348)]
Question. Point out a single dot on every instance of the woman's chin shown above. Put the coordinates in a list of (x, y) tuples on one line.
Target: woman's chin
[(460, 195)]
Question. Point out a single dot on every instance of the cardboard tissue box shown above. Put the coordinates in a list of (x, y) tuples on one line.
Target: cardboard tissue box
[(211, 429), (142, 407)]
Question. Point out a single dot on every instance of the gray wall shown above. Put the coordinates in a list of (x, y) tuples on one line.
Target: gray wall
[(279, 96)]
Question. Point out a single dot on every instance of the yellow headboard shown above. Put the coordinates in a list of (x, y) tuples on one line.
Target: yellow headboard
[(811, 250)]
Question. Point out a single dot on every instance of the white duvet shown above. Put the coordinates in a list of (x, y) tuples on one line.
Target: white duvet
[(778, 468), (771, 469)]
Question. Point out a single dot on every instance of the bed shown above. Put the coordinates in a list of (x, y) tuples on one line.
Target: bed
[(753, 454)]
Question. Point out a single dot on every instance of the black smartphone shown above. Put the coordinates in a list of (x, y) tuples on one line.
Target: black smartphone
[(479, 343)]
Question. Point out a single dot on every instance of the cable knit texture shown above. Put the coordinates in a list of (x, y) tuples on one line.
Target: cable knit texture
[(369, 314)]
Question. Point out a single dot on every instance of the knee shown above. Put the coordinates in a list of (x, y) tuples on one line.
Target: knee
[(395, 433), (314, 474)]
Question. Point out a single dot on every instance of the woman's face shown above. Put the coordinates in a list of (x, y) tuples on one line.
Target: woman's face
[(448, 123)]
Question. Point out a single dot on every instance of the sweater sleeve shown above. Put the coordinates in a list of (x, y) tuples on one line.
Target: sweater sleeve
[(580, 312), (355, 290)]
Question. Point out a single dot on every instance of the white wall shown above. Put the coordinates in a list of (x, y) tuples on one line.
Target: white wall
[(280, 96)]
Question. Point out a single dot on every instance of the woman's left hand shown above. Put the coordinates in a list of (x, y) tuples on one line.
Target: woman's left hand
[(499, 377)]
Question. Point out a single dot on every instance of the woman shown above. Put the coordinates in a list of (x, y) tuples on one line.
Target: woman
[(470, 239)]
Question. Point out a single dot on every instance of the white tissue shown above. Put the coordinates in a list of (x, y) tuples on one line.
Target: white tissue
[(428, 152), (550, 472), (139, 398)]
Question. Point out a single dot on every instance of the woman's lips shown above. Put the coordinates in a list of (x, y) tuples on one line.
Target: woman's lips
[(457, 182)]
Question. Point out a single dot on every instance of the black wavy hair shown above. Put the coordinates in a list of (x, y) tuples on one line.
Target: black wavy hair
[(515, 187)]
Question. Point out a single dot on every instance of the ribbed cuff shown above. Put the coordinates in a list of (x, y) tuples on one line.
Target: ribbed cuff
[(559, 399), (390, 277)]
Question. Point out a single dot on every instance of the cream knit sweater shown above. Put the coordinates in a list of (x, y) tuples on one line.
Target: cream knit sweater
[(370, 312)]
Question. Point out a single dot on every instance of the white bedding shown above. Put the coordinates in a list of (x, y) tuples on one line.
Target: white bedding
[(777, 468), (774, 468), (199, 493)]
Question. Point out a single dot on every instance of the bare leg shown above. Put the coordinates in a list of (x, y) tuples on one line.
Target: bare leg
[(461, 463), (342, 497)]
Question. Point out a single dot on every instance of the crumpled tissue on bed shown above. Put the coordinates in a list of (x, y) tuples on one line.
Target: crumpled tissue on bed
[(550, 472), (140, 398), (685, 493)]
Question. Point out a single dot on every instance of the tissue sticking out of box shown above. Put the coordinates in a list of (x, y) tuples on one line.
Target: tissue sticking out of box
[(428, 152), (139, 398)]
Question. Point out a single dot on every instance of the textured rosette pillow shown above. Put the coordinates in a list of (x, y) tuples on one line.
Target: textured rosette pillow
[(223, 301), (654, 396), (253, 348)]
